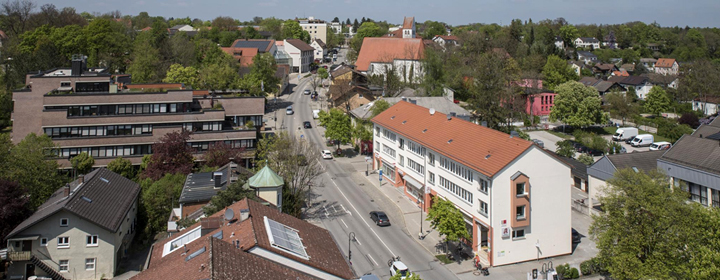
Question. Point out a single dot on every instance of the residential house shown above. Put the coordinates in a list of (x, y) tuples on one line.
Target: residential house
[(621, 73), (282, 247), (604, 87), (559, 43), (514, 196), (441, 104), (80, 232), (589, 81), (380, 56), (587, 42), (315, 27), (301, 54), (610, 41), (443, 40), (709, 105), (188, 29), (579, 173), (320, 49), (667, 66), (336, 27), (648, 63), (641, 84), (83, 110), (604, 68), (600, 172), (244, 50), (693, 164), (587, 57), (578, 66), (628, 67), (348, 89), (665, 81), (654, 47)]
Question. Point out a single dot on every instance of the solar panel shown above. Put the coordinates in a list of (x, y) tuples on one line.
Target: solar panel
[(285, 238)]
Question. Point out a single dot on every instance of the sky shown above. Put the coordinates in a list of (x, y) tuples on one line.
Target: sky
[(693, 13)]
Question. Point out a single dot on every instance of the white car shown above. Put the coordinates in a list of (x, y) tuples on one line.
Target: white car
[(399, 267), (660, 146), (326, 154)]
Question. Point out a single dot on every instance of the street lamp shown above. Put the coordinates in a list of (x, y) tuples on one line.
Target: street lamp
[(351, 237)]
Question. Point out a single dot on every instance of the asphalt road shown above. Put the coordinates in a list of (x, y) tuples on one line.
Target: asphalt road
[(341, 205)]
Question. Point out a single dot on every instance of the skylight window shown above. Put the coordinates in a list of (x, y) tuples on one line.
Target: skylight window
[(195, 254), (104, 180), (285, 238), (87, 199)]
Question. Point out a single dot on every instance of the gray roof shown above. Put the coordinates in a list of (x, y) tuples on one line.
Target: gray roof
[(200, 187), (579, 169), (589, 39), (103, 199), (586, 54), (589, 81), (440, 104), (261, 45), (605, 167), (634, 80), (695, 152)]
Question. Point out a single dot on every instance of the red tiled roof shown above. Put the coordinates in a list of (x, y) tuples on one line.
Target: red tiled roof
[(386, 50), (300, 45), (244, 56), (664, 62), (471, 143), (408, 22), (448, 38), (395, 34), (622, 73)]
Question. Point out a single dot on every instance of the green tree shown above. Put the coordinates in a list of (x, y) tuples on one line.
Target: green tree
[(447, 220), (556, 72), (179, 74), (292, 30), (657, 101), (586, 159), (172, 155), (493, 92), (123, 167), (323, 73), (577, 105), (263, 69), (649, 231), (412, 276), (251, 33), (83, 163), (378, 107), (622, 105), (157, 199), (338, 126), (146, 60), (565, 148), (274, 26), (569, 33), (31, 163), (107, 42), (433, 28), (362, 131), (233, 193), (367, 29)]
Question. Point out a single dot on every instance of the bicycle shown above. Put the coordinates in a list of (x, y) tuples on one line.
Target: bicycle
[(480, 269)]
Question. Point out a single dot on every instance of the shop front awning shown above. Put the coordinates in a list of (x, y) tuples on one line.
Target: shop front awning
[(414, 183)]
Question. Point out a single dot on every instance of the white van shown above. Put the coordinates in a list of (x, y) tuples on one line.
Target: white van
[(624, 133), (316, 114), (642, 140)]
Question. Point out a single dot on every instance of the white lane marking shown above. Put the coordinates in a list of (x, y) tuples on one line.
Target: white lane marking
[(368, 225), (326, 212), (333, 207), (358, 241), (373, 260), (344, 223), (346, 211)]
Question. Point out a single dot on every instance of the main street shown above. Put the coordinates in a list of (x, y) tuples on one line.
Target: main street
[(341, 205)]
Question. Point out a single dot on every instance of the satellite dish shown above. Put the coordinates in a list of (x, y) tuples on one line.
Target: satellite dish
[(432, 111), (229, 214)]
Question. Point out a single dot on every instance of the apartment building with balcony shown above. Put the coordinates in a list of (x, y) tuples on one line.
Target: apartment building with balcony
[(86, 111), (80, 232), (514, 195)]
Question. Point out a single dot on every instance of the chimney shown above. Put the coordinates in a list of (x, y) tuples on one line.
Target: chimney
[(413, 101), (449, 117), (453, 114), (66, 190), (78, 65), (81, 178), (217, 176), (244, 214), (403, 98)]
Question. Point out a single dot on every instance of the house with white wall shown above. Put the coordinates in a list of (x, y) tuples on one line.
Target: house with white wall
[(320, 48), (641, 84), (514, 195), (667, 66), (301, 54), (587, 42), (317, 28), (80, 232), (379, 56)]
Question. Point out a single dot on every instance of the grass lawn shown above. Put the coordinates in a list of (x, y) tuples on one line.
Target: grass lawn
[(443, 258)]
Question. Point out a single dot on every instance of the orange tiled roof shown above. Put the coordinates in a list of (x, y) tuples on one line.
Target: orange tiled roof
[(471, 143), (664, 63), (376, 49), (408, 22)]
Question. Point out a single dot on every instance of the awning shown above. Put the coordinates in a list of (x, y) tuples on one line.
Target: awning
[(413, 182), (21, 238)]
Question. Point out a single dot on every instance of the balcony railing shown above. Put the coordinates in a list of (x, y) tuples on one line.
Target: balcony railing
[(19, 255)]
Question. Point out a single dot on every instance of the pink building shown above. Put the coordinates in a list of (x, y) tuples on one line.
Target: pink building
[(539, 104)]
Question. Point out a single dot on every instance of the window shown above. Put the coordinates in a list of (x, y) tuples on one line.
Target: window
[(63, 265), (389, 135), (388, 171), (483, 186), (518, 233), (520, 212), (431, 159), (377, 146), (63, 242), (431, 178), (377, 131), (457, 190), (43, 241), (520, 189), (698, 193), (415, 148), (416, 167), (92, 240), (483, 208), (389, 151), (715, 198), (64, 222), (402, 161), (456, 168), (402, 144), (90, 264)]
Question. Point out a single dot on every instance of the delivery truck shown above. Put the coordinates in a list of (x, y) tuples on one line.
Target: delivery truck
[(625, 133)]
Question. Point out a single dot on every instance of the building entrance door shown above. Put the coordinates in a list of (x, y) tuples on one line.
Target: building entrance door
[(29, 270)]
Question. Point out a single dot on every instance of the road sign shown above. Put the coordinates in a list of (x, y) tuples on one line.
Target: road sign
[(302, 136), (380, 175), (368, 159)]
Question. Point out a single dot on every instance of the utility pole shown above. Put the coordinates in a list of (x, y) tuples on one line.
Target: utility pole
[(351, 237)]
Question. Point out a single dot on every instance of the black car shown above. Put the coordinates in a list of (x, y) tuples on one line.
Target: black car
[(380, 218), (307, 125), (575, 236)]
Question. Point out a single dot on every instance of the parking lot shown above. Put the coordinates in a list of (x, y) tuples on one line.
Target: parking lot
[(550, 141)]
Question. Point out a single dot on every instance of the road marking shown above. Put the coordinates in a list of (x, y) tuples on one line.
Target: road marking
[(373, 260), (366, 223), (358, 241), (346, 211), (326, 212), (344, 223)]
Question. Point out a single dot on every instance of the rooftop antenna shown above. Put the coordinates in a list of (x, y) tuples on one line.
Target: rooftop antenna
[(229, 214)]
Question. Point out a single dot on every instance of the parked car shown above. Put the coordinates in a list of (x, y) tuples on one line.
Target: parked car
[(399, 267), (660, 146), (642, 140), (306, 92), (307, 125), (380, 218), (539, 143), (327, 154), (289, 110)]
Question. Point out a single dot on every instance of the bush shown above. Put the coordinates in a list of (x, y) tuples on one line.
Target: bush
[(586, 267), (562, 269), (573, 274), (690, 119)]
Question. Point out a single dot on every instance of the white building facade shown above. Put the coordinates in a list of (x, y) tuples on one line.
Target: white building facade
[(515, 200), (301, 54), (315, 27)]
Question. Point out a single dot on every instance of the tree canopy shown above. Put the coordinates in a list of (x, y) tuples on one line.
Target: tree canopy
[(338, 126), (172, 155), (157, 198), (657, 101), (447, 220), (556, 71), (577, 105), (123, 167), (83, 163)]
